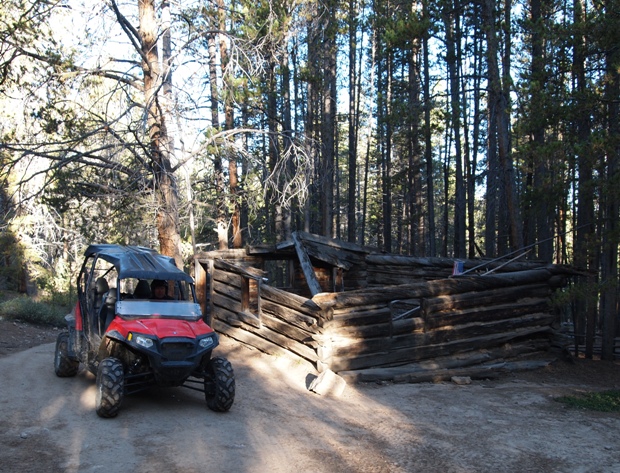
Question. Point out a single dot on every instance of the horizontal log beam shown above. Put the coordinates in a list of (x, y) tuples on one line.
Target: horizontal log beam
[(486, 314), (245, 271), (431, 288), (482, 298), (346, 347), (422, 352), (290, 316)]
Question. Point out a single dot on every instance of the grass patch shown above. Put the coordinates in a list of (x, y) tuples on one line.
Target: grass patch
[(25, 309), (604, 401)]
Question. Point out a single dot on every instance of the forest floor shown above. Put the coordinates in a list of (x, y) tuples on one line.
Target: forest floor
[(514, 423)]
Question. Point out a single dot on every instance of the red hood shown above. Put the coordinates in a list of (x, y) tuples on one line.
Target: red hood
[(160, 328)]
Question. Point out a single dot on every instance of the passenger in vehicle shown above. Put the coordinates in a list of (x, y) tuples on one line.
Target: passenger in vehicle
[(142, 290), (159, 290)]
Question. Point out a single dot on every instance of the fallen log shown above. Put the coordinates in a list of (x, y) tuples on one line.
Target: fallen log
[(482, 371)]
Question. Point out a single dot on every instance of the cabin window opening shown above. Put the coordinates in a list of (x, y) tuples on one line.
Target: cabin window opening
[(250, 300), (405, 309)]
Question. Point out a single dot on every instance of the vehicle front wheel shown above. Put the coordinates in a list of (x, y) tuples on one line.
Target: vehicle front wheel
[(110, 387), (64, 366), (219, 384)]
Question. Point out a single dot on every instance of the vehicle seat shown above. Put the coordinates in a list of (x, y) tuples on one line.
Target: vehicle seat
[(143, 290), (101, 287), (108, 309)]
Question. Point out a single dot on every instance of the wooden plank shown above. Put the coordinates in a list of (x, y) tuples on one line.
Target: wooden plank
[(202, 290), (222, 300), (459, 360), (299, 303), (290, 316), (431, 288), (254, 340), (283, 341), (211, 308), (246, 271), (387, 329), (422, 352), (482, 298), (229, 279), (431, 262), (488, 314), (290, 331), (357, 318), (227, 289), (306, 267), (343, 346), (338, 244), (249, 319)]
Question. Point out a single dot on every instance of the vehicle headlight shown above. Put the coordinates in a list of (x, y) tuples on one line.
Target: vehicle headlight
[(143, 341), (206, 342)]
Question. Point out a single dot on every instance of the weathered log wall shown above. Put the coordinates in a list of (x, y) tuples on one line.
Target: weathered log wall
[(283, 324), (409, 332), (445, 317)]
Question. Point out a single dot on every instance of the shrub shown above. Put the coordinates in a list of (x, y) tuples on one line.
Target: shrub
[(26, 309), (604, 401)]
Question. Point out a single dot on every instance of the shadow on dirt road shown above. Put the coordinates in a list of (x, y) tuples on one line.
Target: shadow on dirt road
[(48, 424)]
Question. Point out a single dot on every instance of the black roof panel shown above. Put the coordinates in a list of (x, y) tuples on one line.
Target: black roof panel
[(138, 262)]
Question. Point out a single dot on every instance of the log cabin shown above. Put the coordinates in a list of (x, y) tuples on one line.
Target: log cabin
[(371, 316)]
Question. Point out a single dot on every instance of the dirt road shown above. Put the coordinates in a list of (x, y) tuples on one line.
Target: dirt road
[(48, 424)]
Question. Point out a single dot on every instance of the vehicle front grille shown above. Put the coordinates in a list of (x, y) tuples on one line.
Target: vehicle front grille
[(177, 351)]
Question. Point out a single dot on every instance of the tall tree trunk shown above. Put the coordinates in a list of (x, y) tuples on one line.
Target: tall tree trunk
[(386, 163), (229, 124), (609, 263), (287, 131), (585, 308), (352, 164), (473, 162), (329, 123), (414, 172), (274, 145), (220, 217), (159, 141), (428, 145), (498, 104), (453, 62), (543, 218)]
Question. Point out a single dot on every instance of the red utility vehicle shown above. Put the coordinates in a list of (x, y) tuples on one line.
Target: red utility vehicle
[(132, 334)]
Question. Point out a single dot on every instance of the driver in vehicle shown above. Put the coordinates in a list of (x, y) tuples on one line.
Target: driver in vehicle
[(159, 290)]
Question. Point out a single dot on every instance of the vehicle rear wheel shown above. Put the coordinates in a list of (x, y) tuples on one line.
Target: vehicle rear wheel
[(110, 387), (219, 384), (64, 366)]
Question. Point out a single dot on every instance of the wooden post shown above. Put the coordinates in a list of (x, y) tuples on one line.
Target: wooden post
[(306, 267)]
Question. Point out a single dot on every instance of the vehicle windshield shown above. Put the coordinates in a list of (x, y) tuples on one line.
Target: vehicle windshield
[(140, 298), (132, 309)]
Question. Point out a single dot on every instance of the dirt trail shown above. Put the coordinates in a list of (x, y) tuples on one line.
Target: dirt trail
[(48, 424)]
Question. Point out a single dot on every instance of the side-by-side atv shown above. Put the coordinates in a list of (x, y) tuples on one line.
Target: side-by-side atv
[(137, 324)]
